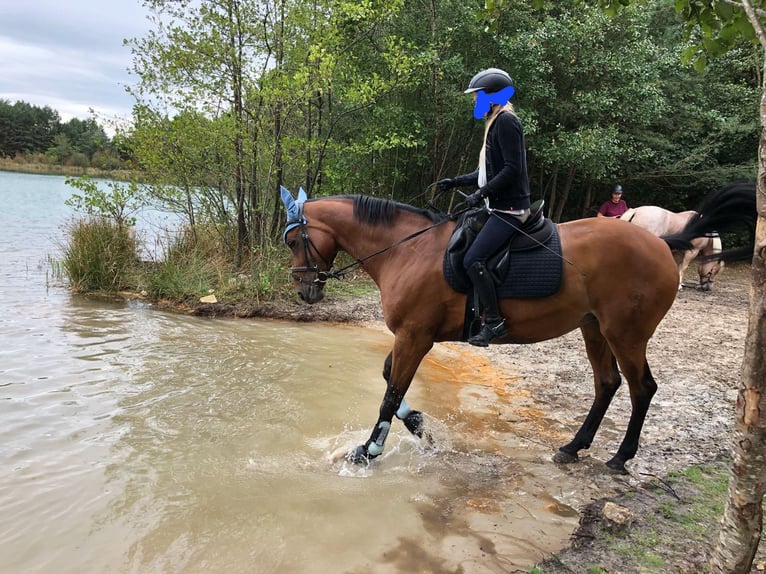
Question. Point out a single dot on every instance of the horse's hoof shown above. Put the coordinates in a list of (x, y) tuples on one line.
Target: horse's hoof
[(617, 466), (359, 455), (562, 457), (414, 423)]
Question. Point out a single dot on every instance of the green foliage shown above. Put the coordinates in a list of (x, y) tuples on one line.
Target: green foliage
[(196, 264), (26, 130), (189, 268), (118, 202), (713, 28), (350, 97), (100, 256)]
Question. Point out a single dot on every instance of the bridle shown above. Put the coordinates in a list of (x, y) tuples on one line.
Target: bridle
[(320, 277)]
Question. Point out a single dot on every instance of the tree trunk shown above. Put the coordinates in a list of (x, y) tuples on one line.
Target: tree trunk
[(743, 515), (584, 212), (240, 184), (554, 185), (564, 194)]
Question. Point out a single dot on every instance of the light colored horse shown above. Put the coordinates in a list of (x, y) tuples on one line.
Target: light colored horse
[(661, 222)]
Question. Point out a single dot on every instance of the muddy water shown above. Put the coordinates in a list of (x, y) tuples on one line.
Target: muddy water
[(134, 440)]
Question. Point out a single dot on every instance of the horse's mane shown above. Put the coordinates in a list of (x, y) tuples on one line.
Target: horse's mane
[(374, 210)]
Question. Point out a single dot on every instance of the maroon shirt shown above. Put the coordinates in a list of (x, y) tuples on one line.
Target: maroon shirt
[(611, 209)]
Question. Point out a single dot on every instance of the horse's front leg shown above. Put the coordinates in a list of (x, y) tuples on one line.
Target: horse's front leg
[(404, 361), (412, 419), (686, 260)]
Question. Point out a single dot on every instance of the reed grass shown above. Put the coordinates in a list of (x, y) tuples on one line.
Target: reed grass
[(100, 256), (198, 261)]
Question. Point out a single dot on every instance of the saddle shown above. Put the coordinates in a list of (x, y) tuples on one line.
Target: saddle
[(530, 266)]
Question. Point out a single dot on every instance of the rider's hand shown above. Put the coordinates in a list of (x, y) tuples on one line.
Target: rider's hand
[(475, 199), (444, 185)]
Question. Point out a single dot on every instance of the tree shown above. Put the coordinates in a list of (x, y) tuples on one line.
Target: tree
[(25, 128), (85, 136), (717, 26), (599, 98), (202, 59)]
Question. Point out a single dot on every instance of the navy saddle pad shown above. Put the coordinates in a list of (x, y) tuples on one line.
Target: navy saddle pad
[(531, 267)]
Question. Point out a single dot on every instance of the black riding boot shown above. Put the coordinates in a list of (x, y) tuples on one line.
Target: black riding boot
[(494, 325)]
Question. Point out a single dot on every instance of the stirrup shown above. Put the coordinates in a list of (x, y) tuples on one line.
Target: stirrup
[(487, 334)]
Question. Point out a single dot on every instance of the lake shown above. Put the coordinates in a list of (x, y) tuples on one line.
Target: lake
[(137, 440)]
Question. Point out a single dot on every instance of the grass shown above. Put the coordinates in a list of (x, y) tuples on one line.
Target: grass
[(676, 524), (45, 168), (646, 546), (99, 256)]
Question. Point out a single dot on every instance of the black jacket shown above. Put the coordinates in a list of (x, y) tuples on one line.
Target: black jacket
[(506, 157)]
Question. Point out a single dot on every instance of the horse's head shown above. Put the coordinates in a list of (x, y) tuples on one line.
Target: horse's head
[(710, 265), (313, 249)]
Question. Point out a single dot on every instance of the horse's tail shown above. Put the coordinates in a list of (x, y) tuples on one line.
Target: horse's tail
[(732, 208)]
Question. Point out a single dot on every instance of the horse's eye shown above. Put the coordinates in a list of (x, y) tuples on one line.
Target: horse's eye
[(291, 243)]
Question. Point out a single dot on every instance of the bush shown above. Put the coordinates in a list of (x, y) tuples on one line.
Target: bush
[(197, 262), (100, 256), (192, 266)]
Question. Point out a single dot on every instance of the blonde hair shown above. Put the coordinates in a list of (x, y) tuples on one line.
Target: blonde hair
[(494, 111)]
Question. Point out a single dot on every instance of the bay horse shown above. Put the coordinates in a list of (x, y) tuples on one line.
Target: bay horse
[(660, 221), (618, 282)]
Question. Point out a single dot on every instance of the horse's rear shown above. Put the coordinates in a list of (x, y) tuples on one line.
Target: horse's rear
[(660, 221), (619, 282), (617, 274)]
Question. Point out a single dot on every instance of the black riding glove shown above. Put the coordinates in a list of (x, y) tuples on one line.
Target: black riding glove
[(446, 184), (475, 199)]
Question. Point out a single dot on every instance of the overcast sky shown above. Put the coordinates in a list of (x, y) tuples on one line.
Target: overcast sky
[(68, 54)]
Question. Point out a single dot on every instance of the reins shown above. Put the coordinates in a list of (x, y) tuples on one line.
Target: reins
[(528, 236), (323, 276)]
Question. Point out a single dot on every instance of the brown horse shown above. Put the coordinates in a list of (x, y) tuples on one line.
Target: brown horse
[(661, 222), (618, 283)]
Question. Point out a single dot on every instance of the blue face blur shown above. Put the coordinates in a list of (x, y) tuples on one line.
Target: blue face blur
[(484, 101)]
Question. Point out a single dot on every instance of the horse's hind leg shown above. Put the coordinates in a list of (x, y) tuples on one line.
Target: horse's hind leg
[(412, 419), (607, 380), (642, 388)]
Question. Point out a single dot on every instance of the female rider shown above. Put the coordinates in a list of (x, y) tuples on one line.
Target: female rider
[(503, 185)]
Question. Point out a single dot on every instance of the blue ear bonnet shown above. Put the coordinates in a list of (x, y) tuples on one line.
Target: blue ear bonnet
[(484, 100), (294, 209)]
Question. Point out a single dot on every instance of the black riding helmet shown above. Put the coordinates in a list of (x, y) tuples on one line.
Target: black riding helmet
[(490, 81)]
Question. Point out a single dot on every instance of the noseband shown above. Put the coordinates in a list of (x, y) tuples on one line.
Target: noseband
[(320, 277)]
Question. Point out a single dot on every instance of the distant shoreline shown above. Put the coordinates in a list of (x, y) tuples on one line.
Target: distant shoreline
[(13, 165)]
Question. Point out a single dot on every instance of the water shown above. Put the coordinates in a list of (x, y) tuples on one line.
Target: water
[(135, 440)]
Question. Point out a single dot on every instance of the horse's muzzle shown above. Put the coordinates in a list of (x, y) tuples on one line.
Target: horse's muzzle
[(311, 292), (706, 286)]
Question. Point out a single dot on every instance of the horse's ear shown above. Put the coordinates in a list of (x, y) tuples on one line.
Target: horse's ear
[(293, 209), (302, 197)]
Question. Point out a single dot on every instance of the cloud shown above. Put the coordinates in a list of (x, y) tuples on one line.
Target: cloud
[(69, 55)]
